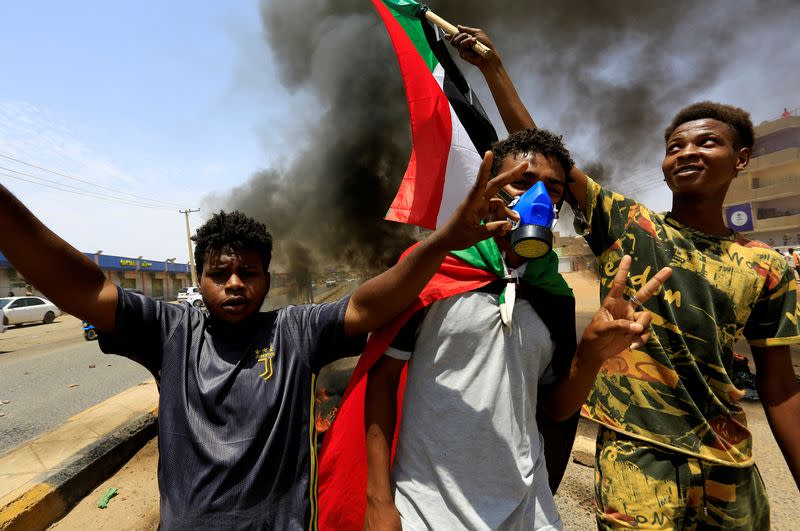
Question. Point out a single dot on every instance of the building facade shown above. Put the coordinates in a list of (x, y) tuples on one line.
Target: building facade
[(158, 279), (573, 253), (763, 202)]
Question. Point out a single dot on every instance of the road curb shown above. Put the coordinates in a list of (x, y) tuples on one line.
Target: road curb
[(56, 492)]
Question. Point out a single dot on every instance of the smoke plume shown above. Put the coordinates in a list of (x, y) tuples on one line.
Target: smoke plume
[(607, 74)]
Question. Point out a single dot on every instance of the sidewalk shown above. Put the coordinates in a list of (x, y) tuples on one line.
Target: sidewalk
[(39, 480)]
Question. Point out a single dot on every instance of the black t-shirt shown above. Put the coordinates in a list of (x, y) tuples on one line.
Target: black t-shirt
[(236, 412)]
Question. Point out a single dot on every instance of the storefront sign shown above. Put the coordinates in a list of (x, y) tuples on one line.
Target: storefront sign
[(739, 217)]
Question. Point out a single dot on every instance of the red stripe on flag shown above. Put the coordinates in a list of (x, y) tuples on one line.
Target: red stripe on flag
[(420, 193)]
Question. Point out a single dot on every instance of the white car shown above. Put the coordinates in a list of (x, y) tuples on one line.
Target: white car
[(185, 293), (196, 300), (20, 310)]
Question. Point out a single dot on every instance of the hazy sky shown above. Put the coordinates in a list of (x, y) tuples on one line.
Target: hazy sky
[(175, 103), (162, 100)]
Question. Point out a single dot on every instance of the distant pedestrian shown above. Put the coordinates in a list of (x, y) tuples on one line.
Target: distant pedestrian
[(787, 255), (794, 260)]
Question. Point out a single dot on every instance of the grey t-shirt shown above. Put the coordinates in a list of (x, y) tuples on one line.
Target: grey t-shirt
[(469, 454), (236, 412)]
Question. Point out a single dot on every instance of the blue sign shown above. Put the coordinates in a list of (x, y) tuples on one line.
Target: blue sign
[(739, 217)]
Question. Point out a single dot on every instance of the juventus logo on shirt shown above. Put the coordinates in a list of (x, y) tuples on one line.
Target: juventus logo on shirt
[(265, 354)]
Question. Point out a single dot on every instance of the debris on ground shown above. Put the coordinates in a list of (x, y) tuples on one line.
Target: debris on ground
[(583, 457), (583, 451), (110, 493), (92, 366), (4, 401), (73, 385)]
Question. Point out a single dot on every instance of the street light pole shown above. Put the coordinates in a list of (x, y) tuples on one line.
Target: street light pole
[(189, 242), (168, 278)]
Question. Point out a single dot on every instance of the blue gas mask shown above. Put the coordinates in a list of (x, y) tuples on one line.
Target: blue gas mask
[(532, 235)]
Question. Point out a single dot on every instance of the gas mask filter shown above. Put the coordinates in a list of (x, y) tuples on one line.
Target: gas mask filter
[(532, 236)]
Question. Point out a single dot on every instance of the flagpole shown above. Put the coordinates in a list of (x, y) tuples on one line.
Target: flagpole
[(432, 17)]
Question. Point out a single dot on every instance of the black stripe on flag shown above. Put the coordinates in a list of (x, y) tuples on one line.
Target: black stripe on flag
[(464, 101)]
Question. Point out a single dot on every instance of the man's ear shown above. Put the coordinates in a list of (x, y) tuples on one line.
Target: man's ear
[(743, 158), (269, 280)]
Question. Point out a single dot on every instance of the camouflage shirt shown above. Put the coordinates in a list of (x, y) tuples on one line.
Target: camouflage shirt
[(676, 391)]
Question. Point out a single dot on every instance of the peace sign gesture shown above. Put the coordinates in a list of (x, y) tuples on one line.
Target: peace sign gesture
[(621, 323), (470, 223)]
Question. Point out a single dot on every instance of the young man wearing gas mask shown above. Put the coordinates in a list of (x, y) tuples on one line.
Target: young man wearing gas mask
[(469, 452), (237, 442), (673, 450)]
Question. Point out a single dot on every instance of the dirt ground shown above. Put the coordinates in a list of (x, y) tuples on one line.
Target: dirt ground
[(134, 507)]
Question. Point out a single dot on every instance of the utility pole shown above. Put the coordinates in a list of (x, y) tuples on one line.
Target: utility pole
[(189, 242)]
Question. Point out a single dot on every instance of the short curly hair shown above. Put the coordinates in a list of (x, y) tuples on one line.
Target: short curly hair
[(539, 141), (737, 119), (234, 230)]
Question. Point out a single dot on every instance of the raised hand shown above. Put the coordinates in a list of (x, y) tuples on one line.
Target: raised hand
[(466, 226), (621, 323), (466, 38)]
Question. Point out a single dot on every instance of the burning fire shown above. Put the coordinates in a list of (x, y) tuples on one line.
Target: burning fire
[(323, 422)]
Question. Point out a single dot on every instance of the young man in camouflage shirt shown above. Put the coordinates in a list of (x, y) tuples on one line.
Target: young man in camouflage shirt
[(674, 450)]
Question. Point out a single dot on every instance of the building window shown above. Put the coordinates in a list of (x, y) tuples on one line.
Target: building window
[(15, 280)]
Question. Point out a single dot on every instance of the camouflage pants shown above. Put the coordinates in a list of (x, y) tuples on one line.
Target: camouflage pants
[(642, 486)]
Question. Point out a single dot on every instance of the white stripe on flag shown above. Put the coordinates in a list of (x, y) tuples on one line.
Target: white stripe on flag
[(463, 162)]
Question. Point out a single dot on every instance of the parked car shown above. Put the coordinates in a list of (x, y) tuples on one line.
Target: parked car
[(196, 300), (330, 283), (21, 310), (185, 293)]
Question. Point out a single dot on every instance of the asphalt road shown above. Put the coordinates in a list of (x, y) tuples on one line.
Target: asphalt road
[(45, 376)]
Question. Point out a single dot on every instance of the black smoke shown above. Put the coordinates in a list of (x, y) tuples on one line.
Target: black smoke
[(607, 74), (331, 199)]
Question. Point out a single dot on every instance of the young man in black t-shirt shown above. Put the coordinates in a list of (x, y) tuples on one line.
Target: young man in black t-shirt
[(236, 419)]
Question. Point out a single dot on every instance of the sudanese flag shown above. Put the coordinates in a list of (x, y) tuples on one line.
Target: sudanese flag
[(449, 128)]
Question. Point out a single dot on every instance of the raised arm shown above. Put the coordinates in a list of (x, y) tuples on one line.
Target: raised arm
[(67, 277), (382, 298), (515, 116), (513, 112)]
